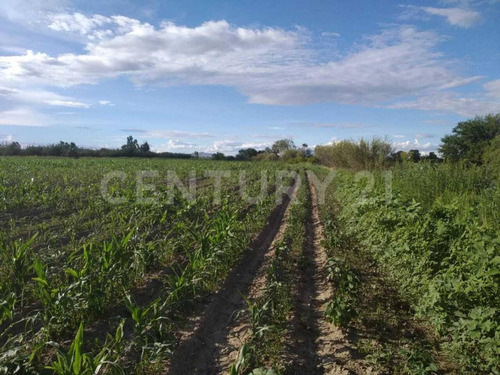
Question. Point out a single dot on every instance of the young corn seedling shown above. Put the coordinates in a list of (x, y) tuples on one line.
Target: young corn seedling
[(44, 291), (21, 265), (258, 317), (75, 362), (7, 306), (243, 361)]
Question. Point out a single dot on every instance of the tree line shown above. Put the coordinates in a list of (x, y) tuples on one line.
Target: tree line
[(131, 148), (475, 141), (283, 149)]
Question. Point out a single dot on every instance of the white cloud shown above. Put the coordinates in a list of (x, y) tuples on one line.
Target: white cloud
[(455, 16), (6, 138), (271, 137), (27, 10), (76, 22), (225, 146), (270, 65), (106, 103), (38, 96), (413, 145), (330, 34), (232, 147), (176, 146), (67, 103), (451, 102), (333, 141), (493, 88), (21, 117)]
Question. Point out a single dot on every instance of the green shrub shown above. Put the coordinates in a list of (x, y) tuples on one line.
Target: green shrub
[(355, 155)]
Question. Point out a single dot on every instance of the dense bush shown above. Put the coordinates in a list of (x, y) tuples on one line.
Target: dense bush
[(355, 155), (491, 156)]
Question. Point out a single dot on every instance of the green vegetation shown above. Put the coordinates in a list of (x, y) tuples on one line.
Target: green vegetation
[(104, 261), (470, 139), (69, 257), (438, 238), (269, 314), (64, 149), (362, 155)]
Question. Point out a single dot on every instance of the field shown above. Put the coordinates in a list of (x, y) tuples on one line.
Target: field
[(148, 266)]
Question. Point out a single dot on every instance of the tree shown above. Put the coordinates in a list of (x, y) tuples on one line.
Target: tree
[(432, 157), (470, 138), (145, 148), (219, 156), (295, 155), (14, 148), (131, 147), (282, 145), (414, 156), (306, 150), (246, 154)]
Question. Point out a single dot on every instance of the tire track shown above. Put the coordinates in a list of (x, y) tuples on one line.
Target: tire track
[(198, 349), (319, 347)]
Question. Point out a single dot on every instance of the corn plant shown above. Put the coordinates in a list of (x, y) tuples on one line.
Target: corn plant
[(21, 265), (75, 362), (149, 324), (7, 306), (259, 313), (45, 293), (243, 361)]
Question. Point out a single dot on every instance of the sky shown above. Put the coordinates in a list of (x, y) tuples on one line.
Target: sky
[(221, 75)]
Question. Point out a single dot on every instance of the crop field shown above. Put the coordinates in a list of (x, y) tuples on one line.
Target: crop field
[(151, 266)]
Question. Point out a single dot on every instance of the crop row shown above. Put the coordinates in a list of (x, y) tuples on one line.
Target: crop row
[(266, 351), (48, 296)]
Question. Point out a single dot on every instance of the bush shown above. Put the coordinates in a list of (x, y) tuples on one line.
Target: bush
[(349, 154), (491, 157), (266, 156)]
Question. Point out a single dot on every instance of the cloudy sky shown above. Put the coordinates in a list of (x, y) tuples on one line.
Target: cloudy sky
[(217, 75)]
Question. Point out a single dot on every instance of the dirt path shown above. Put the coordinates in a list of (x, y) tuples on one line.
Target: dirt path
[(203, 337), (317, 346)]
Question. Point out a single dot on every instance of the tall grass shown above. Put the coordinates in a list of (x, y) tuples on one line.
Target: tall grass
[(469, 186), (355, 155)]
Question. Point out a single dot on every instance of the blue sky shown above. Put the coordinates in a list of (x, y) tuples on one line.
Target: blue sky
[(221, 75)]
